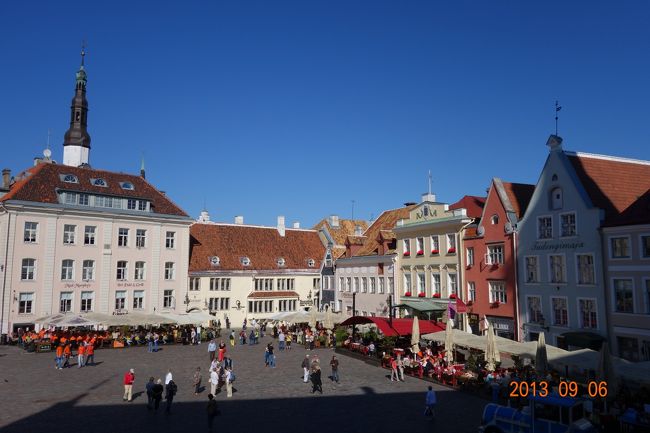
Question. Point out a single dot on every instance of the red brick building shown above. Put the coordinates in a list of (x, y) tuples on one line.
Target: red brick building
[(489, 248)]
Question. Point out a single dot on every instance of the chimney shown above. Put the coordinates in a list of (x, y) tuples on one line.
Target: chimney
[(239, 219), (296, 225), (6, 177), (358, 231), (427, 196), (281, 227), (334, 221)]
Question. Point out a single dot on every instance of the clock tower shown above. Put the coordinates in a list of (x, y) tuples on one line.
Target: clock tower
[(76, 142)]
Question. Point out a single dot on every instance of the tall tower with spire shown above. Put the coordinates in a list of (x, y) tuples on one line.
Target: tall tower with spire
[(76, 142)]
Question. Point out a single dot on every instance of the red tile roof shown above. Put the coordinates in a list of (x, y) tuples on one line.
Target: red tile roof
[(519, 195), (339, 234), (262, 245), (618, 186), (385, 222), (472, 203), (41, 183), (274, 294)]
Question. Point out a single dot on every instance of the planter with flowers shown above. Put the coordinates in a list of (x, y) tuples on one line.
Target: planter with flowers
[(420, 252), (421, 295), (407, 253), (451, 251), (495, 304), (452, 296), (470, 303), (436, 295), (435, 251), (407, 294)]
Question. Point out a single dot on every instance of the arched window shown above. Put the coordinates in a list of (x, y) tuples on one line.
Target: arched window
[(556, 198)]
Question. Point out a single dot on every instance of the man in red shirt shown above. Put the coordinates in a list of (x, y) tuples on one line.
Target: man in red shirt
[(129, 378)]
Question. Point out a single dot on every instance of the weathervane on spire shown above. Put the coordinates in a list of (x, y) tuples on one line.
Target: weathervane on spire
[(557, 110), (83, 51)]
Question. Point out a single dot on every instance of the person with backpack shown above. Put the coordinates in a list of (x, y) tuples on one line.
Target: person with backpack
[(170, 392), (212, 410)]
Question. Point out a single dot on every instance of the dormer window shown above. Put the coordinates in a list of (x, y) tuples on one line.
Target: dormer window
[(281, 262), (245, 261), (99, 182), (70, 178), (494, 219), (127, 185), (311, 263), (215, 261)]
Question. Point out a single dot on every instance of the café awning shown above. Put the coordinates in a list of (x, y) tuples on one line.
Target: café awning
[(400, 327), (584, 339), (424, 304)]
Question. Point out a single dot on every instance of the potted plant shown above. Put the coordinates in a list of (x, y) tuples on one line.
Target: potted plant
[(496, 304), (421, 295), (451, 251), (435, 251), (420, 252), (470, 302), (436, 295), (407, 294), (407, 253), (452, 296)]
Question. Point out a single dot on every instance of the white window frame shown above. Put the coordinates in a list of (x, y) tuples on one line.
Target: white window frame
[(170, 271), (123, 301), (646, 294), (69, 302), (141, 238), (435, 244), (422, 282), (419, 243), (372, 288), (407, 283), (613, 285), (341, 283), (140, 272), (122, 270), (537, 270), (122, 237), (550, 270), (90, 236), (406, 247), (611, 248), (494, 256), (641, 255), (451, 243), (452, 286), (553, 316), (355, 284), (391, 285), (575, 224), (471, 291), (28, 302), (541, 308), (69, 236), (593, 269), (170, 240), (436, 283), (32, 232), (538, 228), (67, 272), (469, 256), (364, 284), (86, 297), (85, 270), (138, 295), (381, 285), (168, 299), (25, 270), (195, 284), (580, 322), (494, 288)]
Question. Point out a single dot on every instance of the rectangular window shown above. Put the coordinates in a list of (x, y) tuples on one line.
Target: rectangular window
[(646, 294), (544, 227), (534, 308), (169, 270), (624, 295), (588, 313), (68, 234), (628, 348), (142, 205), (195, 283), (83, 199), (373, 284), (348, 284), (168, 299), (568, 225), (532, 269), (452, 280), (498, 292), (494, 255), (586, 273), (28, 270), (560, 311), (645, 246), (355, 287), (139, 271), (471, 291), (89, 235), (407, 247), (131, 204), (88, 270), (364, 285), (65, 302), (87, 301), (435, 284), (407, 284), (138, 299), (382, 286), (620, 248), (170, 240), (67, 270), (451, 243), (341, 284), (123, 237), (470, 256), (557, 269), (421, 283), (70, 198), (122, 270), (435, 244), (120, 300), (31, 230), (140, 238), (25, 303), (420, 246)]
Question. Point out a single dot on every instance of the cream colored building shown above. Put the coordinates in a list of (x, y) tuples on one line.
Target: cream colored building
[(250, 272)]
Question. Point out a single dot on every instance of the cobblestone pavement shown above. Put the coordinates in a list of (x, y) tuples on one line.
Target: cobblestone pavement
[(38, 398)]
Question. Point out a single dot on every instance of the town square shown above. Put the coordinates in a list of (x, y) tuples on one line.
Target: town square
[(323, 216)]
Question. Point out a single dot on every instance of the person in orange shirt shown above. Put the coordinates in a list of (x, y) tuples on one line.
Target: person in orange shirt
[(81, 350), (59, 357), (90, 354), (66, 355)]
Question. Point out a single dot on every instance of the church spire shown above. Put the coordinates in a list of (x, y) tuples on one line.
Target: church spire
[(76, 142)]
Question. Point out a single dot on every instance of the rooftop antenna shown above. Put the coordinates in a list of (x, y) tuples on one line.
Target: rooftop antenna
[(83, 51), (47, 153), (353, 202), (142, 171), (557, 110)]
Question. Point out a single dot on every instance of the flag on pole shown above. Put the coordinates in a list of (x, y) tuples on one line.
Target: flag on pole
[(451, 310)]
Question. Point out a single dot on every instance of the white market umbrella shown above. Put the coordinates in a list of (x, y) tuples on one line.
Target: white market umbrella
[(69, 320), (449, 342), (541, 357), (312, 317), (606, 371), (415, 335), (49, 319), (492, 355), (468, 328), (329, 320)]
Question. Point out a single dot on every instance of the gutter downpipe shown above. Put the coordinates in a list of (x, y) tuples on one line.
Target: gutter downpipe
[(517, 309), (462, 265), (4, 274)]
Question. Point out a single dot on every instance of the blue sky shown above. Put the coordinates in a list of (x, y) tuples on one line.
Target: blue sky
[(295, 108)]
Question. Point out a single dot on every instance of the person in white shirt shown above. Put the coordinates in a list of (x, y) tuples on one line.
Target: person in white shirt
[(198, 334), (168, 378), (281, 339), (230, 376), (214, 381)]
